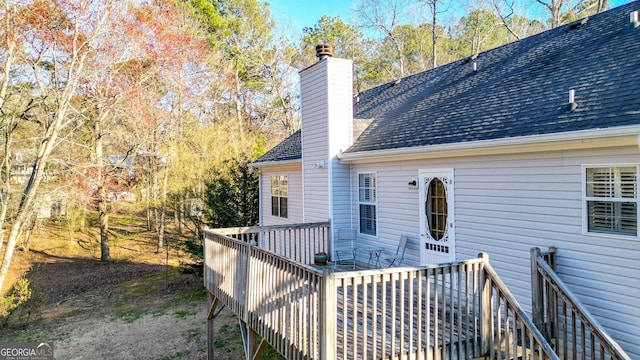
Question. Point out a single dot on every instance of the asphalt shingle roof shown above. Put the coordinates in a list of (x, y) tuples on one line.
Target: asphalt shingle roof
[(289, 149), (519, 89)]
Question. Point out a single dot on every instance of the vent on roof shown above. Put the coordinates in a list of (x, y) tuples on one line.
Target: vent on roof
[(324, 51), (578, 24), (572, 100), (469, 59), (633, 19)]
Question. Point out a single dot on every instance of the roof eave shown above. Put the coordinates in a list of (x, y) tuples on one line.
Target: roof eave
[(274, 163), (575, 140)]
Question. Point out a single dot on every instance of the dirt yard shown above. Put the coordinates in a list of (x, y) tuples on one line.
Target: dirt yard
[(139, 306)]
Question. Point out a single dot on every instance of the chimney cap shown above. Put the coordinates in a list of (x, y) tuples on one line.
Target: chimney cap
[(324, 51)]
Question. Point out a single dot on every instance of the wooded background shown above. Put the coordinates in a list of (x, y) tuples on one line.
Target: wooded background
[(164, 102)]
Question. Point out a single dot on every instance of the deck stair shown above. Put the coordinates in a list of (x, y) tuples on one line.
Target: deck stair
[(563, 319)]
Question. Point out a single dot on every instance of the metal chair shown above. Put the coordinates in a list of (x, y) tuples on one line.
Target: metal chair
[(397, 259), (345, 246)]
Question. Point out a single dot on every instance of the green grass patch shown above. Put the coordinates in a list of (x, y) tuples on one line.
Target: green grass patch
[(93, 220), (118, 220), (193, 298), (192, 335), (219, 343), (147, 284), (129, 315), (181, 314), (179, 355), (42, 333)]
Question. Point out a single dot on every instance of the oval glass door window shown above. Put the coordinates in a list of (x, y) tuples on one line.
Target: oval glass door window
[(437, 209)]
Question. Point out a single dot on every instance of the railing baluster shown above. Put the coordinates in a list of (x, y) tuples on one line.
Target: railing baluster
[(443, 310), (411, 318), (428, 306), (458, 309), (354, 309), (436, 314)]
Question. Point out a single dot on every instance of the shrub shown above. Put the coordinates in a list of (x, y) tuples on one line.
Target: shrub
[(20, 294)]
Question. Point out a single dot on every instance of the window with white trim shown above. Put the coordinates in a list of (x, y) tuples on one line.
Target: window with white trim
[(279, 196), (612, 200), (367, 201)]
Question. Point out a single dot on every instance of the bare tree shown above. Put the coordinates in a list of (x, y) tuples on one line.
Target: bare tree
[(564, 11), (505, 13), (433, 9), (56, 43), (384, 16)]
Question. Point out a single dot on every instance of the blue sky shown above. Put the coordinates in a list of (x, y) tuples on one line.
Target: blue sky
[(305, 13)]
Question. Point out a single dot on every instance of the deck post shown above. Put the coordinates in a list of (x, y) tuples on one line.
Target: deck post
[(214, 304), (328, 306), (486, 333), (537, 293), (253, 344)]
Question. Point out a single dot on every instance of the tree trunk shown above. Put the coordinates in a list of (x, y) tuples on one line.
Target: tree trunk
[(26, 202), (434, 35), (181, 208), (104, 225), (163, 206), (160, 221), (27, 235), (5, 195), (149, 216), (238, 114), (103, 207), (8, 253)]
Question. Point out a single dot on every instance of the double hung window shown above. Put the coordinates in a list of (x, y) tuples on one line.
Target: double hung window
[(279, 193), (611, 196), (367, 201)]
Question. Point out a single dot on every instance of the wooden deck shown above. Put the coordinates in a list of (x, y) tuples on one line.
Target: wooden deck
[(458, 311)]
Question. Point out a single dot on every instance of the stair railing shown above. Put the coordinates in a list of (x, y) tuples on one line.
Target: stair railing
[(508, 332), (562, 318)]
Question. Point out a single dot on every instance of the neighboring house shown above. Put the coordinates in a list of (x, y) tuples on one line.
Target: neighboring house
[(121, 183), (535, 143), (52, 205)]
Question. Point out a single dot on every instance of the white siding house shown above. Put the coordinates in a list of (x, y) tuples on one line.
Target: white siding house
[(488, 154), (507, 204)]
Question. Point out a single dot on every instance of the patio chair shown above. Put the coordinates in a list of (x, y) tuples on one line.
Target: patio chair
[(397, 259), (345, 246)]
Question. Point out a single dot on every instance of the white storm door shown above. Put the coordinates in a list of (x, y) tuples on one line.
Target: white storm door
[(437, 230)]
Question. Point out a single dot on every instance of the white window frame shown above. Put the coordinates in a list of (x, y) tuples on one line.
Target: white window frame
[(373, 203), (278, 194), (586, 199)]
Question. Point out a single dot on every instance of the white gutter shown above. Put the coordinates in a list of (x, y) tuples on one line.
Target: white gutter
[(274, 163), (574, 140)]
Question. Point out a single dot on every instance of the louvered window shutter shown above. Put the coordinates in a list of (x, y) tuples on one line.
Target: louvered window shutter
[(612, 203)]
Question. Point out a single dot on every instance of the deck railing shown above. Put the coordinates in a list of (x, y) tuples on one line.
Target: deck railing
[(298, 242), (563, 319), (455, 311), (280, 299)]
